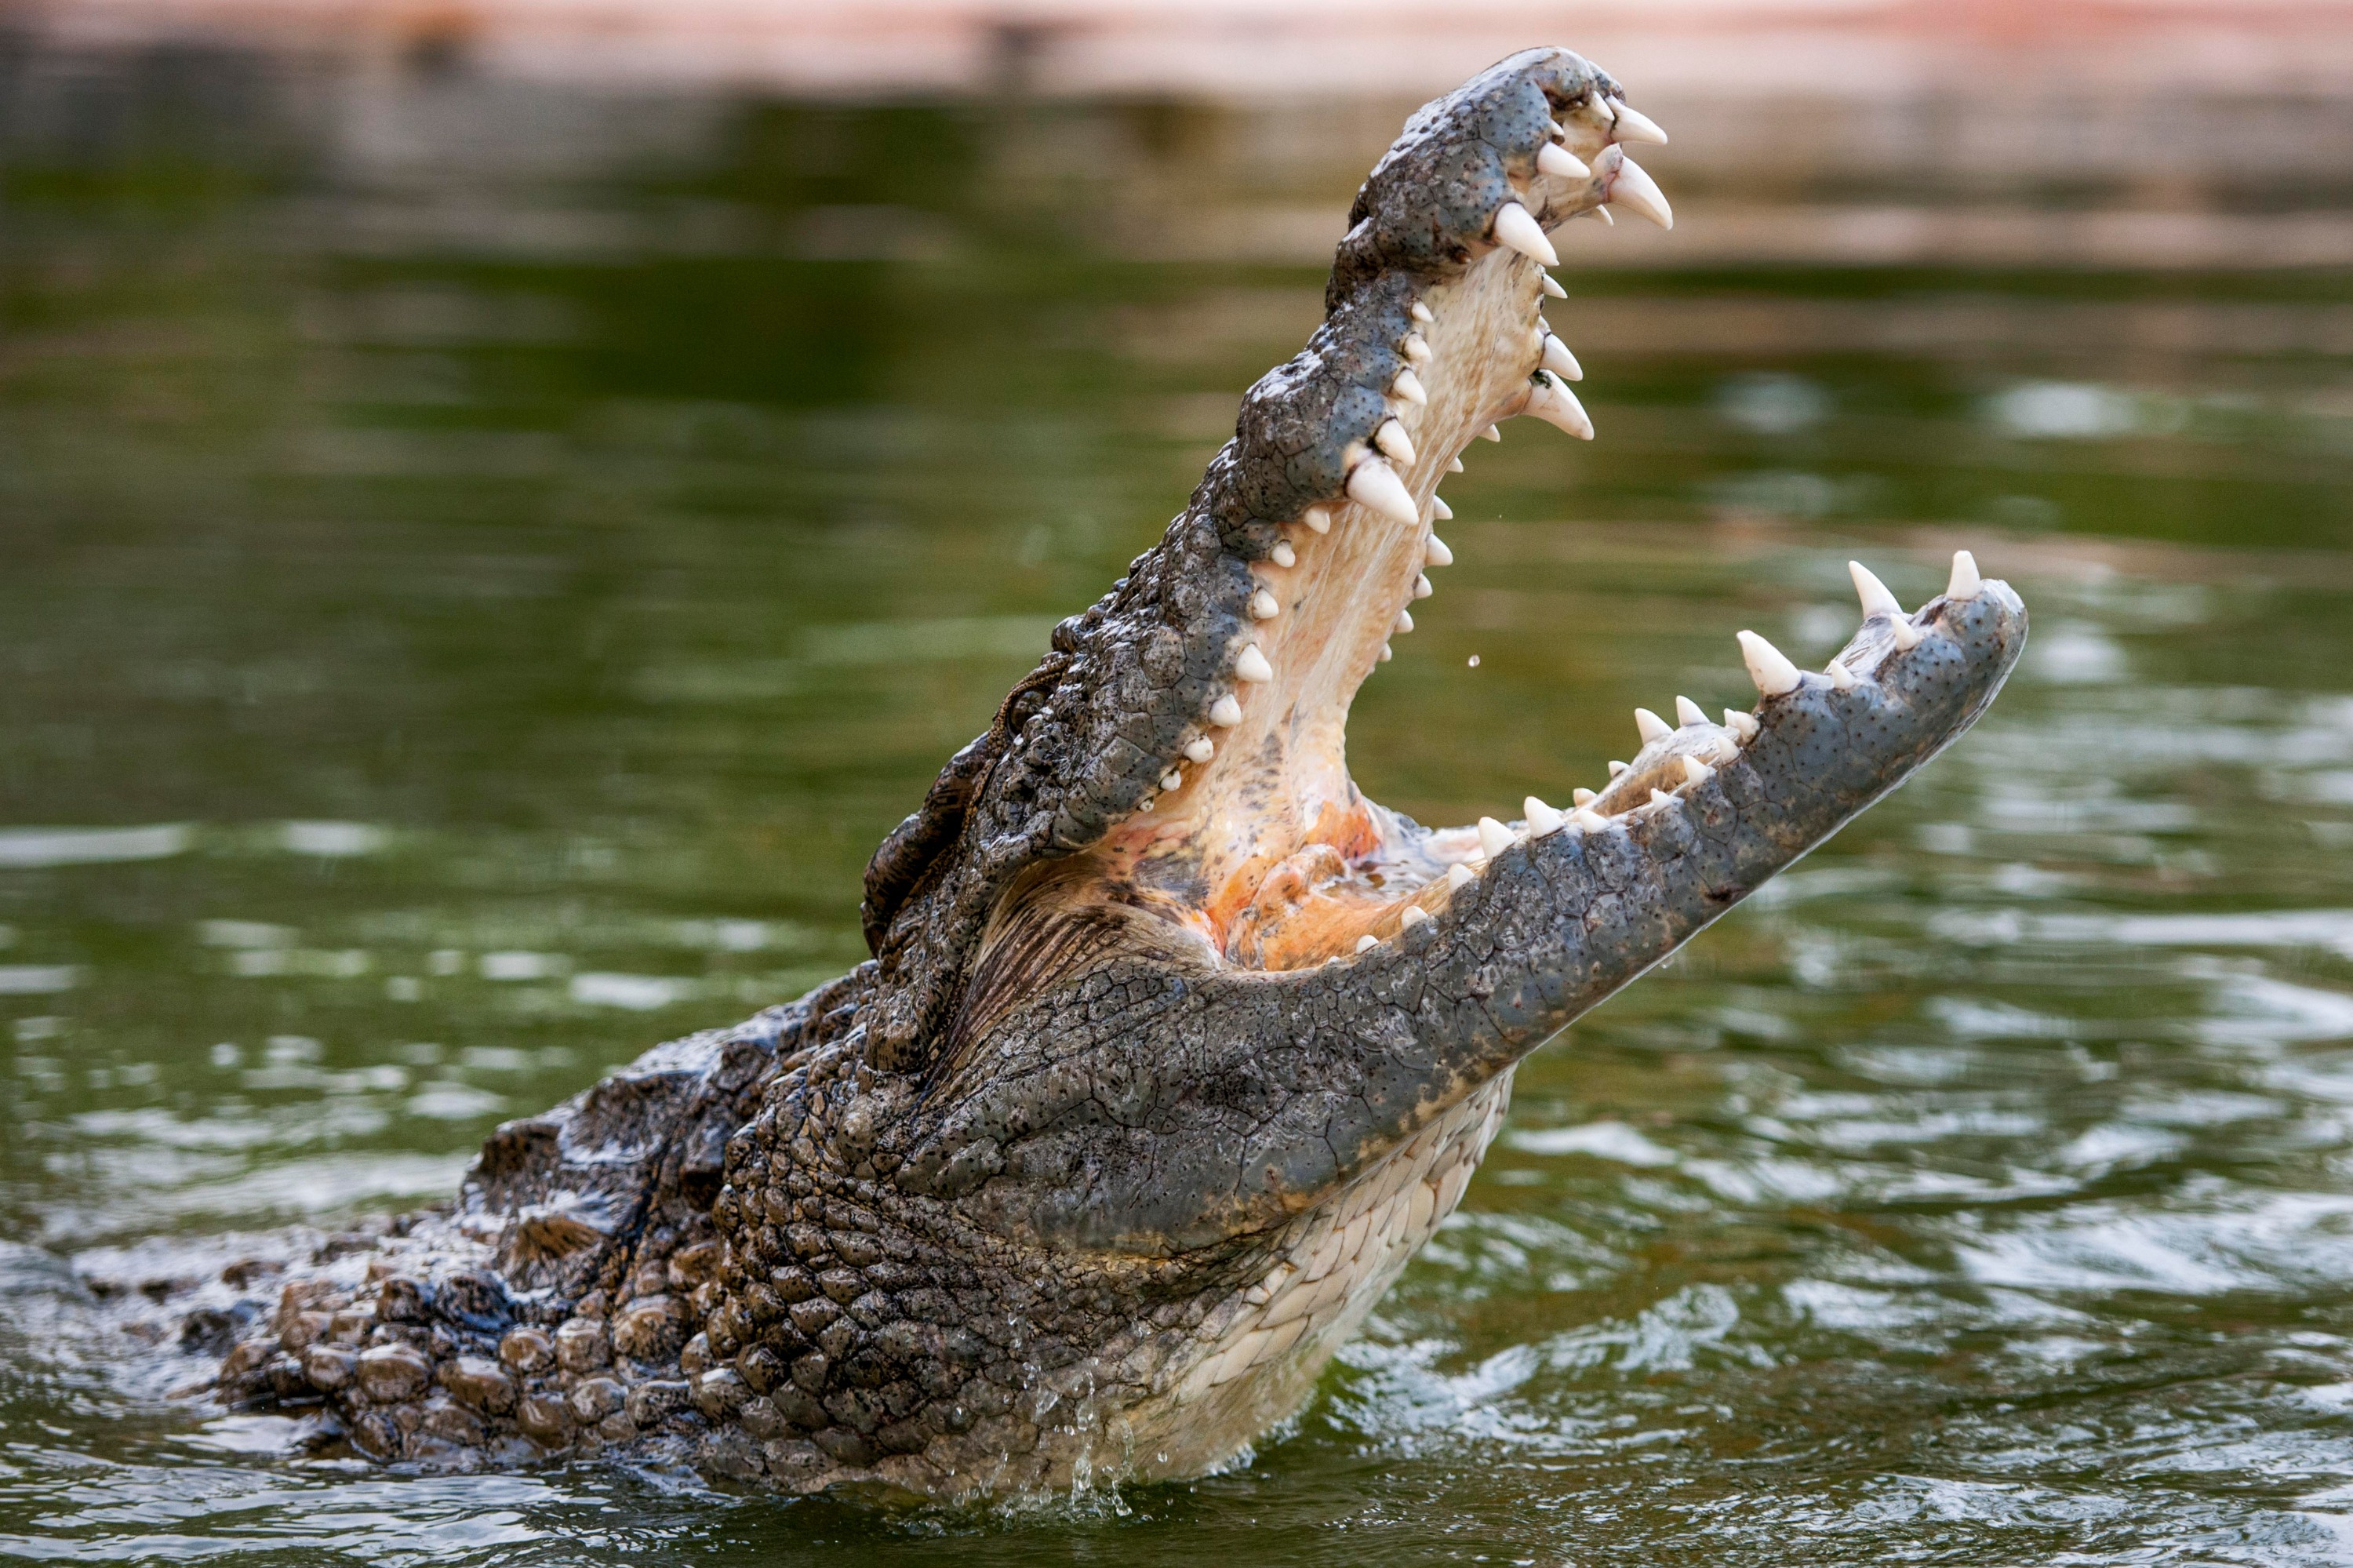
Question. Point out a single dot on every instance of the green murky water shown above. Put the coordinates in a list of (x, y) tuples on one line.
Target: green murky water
[(458, 629)]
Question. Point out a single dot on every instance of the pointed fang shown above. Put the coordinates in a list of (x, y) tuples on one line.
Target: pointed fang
[(1650, 726), (1375, 486), (1517, 227), (1226, 713), (1492, 433), (1744, 726), (1561, 163), (1542, 819), (1695, 771), (1561, 361), (1616, 768), (1408, 388), (1689, 712), (1415, 348), (1263, 605), (1638, 193), (1767, 666), (1661, 798), (1392, 439), (1404, 622), (1440, 510), (1908, 636), (1494, 837), (1421, 589), (1550, 400), (1318, 518), (1966, 583), (1436, 554), (1633, 125), (1420, 312), (1454, 465), (1876, 599), (1252, 666), (1842, 678), (1582, 797), (1591, 820), (1552, 286)]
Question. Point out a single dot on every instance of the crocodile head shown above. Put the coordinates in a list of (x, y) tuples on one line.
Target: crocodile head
[(1159, 992), (1173, 1046)]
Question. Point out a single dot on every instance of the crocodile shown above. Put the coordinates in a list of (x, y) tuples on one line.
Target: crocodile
[(1173, 1046)]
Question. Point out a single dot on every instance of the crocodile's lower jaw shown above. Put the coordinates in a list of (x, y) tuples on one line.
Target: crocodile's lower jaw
[(1175, 1047)]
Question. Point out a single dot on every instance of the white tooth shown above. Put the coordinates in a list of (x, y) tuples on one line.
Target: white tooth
[(1404, 621), (1392, 439), (1842, 678), (1767, 666), (1421, 589), (1633, 125), (1553, 130), (1602, 109), (1420, 312), (1253, 665), (1633, 189), (1582, 797), (1454, 465), (1317, 518), (1368, 942), (1147, 805), (1226, 713), (1412, 915), (1373, 484), (1262, 606), (1440, 510), (1457, 874), (1876, 599), (1689, 712), (1744, 726), (1561, 163), (1517, 227), (1386, 653), (1436, 554), (1726, 749), (1591, 820), (1492, 433), (1555, 405), (1561, 361), (1542, 819), (1661, 798), (1552, 286), (1616, 768), (1494, 837), (1695, 771), (1650, 725), (1416, 349), (1602, 212), (1283, 555), (1966, 583), (1201, 750), (1908, 636), (1407, 386), (1172, 780)]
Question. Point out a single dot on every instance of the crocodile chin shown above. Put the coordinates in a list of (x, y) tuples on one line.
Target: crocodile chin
[(1174, 1047)]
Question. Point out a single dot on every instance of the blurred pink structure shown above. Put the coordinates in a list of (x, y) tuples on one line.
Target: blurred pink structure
[(1247, 48), (2126, 132)]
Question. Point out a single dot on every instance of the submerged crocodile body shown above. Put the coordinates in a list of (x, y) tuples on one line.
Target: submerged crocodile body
[(1174, 1047)]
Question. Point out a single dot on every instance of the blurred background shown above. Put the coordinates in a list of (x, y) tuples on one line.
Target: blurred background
[(503, 505)]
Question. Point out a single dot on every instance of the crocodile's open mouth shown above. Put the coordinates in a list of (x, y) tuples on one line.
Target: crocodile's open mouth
[(1154, 872)]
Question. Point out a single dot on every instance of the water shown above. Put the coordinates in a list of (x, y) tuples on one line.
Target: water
[(462, 627)]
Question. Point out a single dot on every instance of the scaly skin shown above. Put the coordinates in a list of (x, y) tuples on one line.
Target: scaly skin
[(1174, 1047)]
